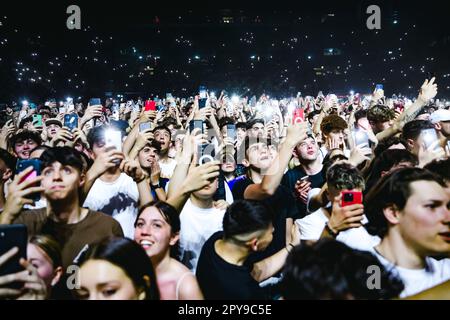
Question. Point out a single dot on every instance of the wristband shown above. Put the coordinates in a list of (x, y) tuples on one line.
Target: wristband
[(330, 231)]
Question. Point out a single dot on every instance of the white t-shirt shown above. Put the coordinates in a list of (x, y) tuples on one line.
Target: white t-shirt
[(197, 226), (119, 199), (311, 228), (417, 280), (167, 168)]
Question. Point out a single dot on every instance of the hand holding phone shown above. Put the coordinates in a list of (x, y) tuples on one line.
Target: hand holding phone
[(196, 124), (231, 131), (145, 126), (150, 105)]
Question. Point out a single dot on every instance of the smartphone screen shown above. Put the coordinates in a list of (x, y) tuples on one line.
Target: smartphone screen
[(201, 103), (194, 124), (71, 121), (113, 138), (429, 137), (202, 92), (36, 164), (361, 138), (144, 126), (379, 87), (95, 102), (14, 235), (231, 131), (37, 120)]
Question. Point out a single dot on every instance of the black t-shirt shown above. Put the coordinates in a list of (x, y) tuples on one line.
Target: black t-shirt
[(283, 206), (289, 180), (220, 280)]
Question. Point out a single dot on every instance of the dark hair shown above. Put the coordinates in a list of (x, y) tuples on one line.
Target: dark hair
[(332, 122), (331, 270), (8, 159), (361, 113), (95, 135), (41, 147), (386, 143), (50, 246), (241, 125), (412, 129), (386, 161), (25, 135), (161, 127), (65, 155), (245, 216), (24, 121), (441, 167), (380, 113), (392, 190), (246, 144), (131, 258), (170, 214), (312, 114), (252, 122), (225, 121), (344, 176)]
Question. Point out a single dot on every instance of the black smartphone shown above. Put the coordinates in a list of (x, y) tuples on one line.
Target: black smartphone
[(13, 235), (71, 121), (231, 131), (220, 192), (196, 124), (95, 102), (201, 103), (36, 164)]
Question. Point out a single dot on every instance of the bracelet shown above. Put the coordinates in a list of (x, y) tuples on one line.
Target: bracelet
[(333, 233), (292, 247), (156, 186), (140, 180)]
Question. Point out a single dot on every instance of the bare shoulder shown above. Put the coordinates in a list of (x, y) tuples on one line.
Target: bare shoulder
[(188, 288)]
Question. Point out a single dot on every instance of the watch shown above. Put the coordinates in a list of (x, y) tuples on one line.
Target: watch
[(156, 186), (333, 233)]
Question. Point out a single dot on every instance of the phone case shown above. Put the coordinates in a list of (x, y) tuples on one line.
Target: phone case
[(351, 197)]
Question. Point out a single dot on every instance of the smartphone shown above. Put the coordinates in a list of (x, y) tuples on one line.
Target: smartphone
[(113, 138), (429, 137), (205, 153), (37, 120), (201, 103), (70, 107), (71, 121), (194, 124), (202, 92), (231, 131), (361, 138), (379, 87), (351, 197), (115, 112), (145, 126), (36, 164), (13, 235), (298, 116), (62, 110), (150, 105), (304, 178), (95, 102)]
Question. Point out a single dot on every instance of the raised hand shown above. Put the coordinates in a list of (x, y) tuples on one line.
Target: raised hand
[(428, 90)]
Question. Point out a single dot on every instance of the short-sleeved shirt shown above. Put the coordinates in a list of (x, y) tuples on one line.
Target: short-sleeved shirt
[(291, 177), (220, 280), (73, 238)]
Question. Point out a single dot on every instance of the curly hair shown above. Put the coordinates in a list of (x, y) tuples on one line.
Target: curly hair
[(332, 122), (380, 113), (344, 176)]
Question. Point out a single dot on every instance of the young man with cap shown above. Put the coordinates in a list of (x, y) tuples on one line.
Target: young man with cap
[(441, 120), (52, 126)]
